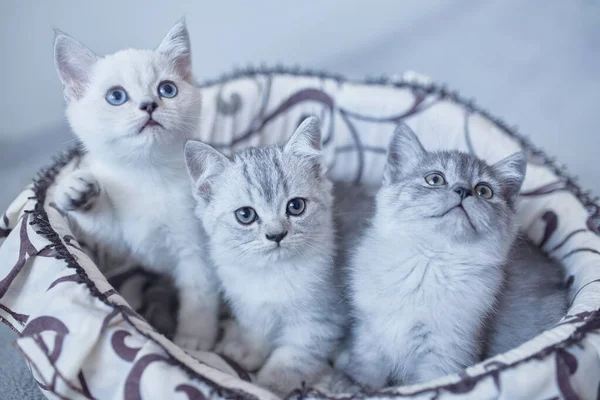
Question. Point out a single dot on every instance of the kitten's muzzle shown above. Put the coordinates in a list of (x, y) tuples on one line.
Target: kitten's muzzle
[(149, 107), (276, 237)]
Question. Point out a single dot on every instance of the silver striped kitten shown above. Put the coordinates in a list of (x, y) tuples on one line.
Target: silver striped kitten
[(426, 273), (268, 214)]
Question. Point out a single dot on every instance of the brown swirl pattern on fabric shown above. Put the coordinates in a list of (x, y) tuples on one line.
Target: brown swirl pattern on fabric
[(83, 339)]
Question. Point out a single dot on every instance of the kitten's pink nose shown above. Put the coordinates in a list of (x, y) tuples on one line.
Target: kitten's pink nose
[(149, 106)]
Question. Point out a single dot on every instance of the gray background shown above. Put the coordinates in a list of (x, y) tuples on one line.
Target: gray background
[(535, 63)]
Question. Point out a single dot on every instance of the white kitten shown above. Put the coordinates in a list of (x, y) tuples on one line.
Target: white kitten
[(428, 270), (268, 213), (134, 110)]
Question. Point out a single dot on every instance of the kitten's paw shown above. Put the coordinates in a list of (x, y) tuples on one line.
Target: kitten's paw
[(289, 368), (191, 342), (196, 335), (251, 359), (281, 380), (342, 361), (338, 382), (77, 191)]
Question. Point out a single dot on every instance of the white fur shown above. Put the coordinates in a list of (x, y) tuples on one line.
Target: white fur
[(446, 292), (145, 206)]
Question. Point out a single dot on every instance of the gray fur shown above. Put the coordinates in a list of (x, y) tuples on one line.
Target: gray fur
[(353, 212), (283, 295), (160, 301), (426, 273), (532, 300)]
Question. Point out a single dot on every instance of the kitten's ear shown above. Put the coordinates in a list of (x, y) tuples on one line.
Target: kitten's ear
[(176, 47), (306, 140), (74, 63), (511, 171), (405, 150), (203, 163)]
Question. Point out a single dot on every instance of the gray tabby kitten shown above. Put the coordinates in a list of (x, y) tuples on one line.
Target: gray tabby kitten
[(268, 214), (533, 299), (426, 274)]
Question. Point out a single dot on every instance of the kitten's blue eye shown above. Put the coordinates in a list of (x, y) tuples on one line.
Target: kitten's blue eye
[(296, 206), (167, 89), (435, 179), (483, 190), (116, 96), (245, 215)]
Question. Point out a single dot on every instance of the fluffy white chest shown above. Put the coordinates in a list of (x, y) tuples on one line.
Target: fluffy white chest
[(415, 295), (267, 295), (154, 214), (278, 284)]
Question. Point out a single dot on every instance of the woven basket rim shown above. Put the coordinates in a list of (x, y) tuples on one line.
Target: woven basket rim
[(47, 175)]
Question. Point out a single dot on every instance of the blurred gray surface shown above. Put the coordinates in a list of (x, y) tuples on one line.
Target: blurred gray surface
[(16, 382), (535, 63), (22, 157)]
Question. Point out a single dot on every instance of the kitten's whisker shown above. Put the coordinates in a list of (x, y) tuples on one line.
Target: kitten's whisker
[(71, 141), (179, 117), (353, 213)]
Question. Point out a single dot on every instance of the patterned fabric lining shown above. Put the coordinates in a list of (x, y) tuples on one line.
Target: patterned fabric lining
[(83, 340)]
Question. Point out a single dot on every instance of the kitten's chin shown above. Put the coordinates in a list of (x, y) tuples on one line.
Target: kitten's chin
[(151, 126), (277, 253), (156, 135), (283, 252), (457, 223)]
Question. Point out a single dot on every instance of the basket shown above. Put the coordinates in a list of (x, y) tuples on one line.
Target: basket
[(81, 339)]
